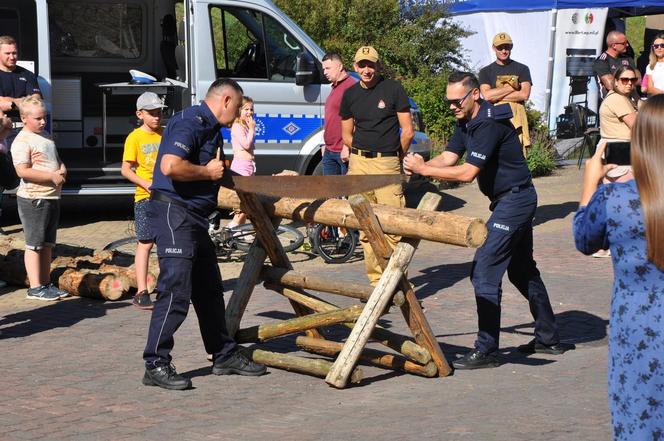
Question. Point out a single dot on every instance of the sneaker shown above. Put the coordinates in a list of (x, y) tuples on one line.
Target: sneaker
[(142, 300), (533, 346), (238, 363), (476, 359), (42, 293), (602, 253), (60, 292), (167, 377)]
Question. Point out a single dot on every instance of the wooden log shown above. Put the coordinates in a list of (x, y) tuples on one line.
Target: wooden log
[(396, 342), (343, 366), (244, 287), (298, 324), (128, 276), (374, 357), (302, 280), (407, 222), (85, 283), (293, 363)]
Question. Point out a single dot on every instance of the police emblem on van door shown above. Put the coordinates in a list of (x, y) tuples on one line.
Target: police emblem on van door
[(291, 128), (381, 104)]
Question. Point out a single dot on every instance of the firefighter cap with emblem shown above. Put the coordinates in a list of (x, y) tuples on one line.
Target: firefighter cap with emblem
[(502, 38), (366, 53)]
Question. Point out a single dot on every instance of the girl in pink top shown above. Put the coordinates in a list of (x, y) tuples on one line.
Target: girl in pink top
[(243, 133)]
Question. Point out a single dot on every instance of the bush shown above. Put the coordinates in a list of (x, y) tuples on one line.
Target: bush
[(541, 154)]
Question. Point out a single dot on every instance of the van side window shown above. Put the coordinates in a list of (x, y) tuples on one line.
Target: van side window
[(239, 45), (100, 30), (282, 52)]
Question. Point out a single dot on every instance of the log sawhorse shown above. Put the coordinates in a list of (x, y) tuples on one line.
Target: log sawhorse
[(423, 356)]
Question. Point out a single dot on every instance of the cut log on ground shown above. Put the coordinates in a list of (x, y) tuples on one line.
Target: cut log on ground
[(408, 222), (298, 324), (86, 283), (372, 356), (311, 366)]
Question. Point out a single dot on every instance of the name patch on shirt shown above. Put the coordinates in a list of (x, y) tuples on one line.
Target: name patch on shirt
[(181, 146), (173, 250), (478, 155), (501, 226)]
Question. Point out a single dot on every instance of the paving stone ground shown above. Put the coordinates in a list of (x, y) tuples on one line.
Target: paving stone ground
[(71, 370)]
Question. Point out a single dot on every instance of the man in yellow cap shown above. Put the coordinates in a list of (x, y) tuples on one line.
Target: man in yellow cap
[(372, 112), (508, 81)]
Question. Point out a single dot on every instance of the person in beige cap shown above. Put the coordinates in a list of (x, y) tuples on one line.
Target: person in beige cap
[(373, 111), (508, 81)]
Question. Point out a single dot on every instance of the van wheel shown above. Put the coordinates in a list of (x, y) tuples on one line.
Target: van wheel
[(318, 170)]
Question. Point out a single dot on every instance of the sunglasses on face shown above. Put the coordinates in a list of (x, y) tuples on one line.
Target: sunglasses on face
[(458, 102), (504, 47), (658, 46), (622, 43), (627, 80)]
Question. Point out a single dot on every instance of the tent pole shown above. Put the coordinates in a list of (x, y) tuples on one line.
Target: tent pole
[(549, 79)]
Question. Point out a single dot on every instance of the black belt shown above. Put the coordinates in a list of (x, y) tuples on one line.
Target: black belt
[(368, 154), (515, 189), (161, 197)]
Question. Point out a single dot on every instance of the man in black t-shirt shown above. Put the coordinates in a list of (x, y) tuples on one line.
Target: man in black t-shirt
[(372, 112), (615, 56), (494, 157), (15, 82), (508, 81)]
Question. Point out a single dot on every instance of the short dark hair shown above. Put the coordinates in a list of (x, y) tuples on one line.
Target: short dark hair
[(468, 79), (333, 56), (221, 83)]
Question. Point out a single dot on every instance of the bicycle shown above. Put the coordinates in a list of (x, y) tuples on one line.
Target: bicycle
[(333, 244), (226, 240)]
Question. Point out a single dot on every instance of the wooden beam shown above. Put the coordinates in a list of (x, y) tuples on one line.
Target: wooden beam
[(374, 357), (267, 331), (302, 280), (407, 222), (310, 366)]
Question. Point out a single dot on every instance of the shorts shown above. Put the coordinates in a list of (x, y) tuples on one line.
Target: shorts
[(141, 221), (39, 218), (243, 167)]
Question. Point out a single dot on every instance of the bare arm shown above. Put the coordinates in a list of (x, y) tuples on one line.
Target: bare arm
[(464, 173), (607, 81), (180, 169), (652, 90), (347, 128), (407, 131), (629, 119), (6, 101), (129, 173), (29, 174), (506, 93)]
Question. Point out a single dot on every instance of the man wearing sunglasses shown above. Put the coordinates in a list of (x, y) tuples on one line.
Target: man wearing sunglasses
[(508, 81), (611, 59), (377, 125), (493, 155)]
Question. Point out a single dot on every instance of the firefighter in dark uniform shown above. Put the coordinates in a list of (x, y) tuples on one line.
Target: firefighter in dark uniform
[(183, 193), (494, 156)]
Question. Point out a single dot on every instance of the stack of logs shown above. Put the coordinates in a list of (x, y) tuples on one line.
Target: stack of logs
[(84, 272)]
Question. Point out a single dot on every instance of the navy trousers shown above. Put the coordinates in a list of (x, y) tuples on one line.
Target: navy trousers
[(509, 247), (188, 270)]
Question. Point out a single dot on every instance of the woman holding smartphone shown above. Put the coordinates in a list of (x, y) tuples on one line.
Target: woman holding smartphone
[(617, 115), (628, 217)]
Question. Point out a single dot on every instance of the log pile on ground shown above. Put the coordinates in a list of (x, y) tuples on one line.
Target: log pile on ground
[(83, 272)]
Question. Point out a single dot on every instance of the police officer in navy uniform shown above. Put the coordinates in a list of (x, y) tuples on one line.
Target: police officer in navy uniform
[(183, 193), (494, 156)]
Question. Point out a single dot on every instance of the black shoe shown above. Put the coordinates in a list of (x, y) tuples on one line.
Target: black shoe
[(238, 363), (476, 359), (142, 300), (165, 376), (533, 346)]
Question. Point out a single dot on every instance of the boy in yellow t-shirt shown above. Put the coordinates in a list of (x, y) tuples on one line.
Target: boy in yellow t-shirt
[(140, 154)]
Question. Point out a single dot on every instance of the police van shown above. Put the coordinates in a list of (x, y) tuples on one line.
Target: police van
[(83, 51)]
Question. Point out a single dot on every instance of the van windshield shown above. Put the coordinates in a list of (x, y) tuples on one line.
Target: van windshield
[(101, 30)]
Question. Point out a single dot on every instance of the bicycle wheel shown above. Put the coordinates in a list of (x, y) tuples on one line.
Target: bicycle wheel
[(290, 237), (126, 245), (334, 246)]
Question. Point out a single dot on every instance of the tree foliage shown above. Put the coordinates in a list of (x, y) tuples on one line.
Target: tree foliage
[(413, 38)]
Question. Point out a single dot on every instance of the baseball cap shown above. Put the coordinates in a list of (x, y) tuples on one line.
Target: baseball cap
[(149, 101), (502, 38), (366, 53)]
